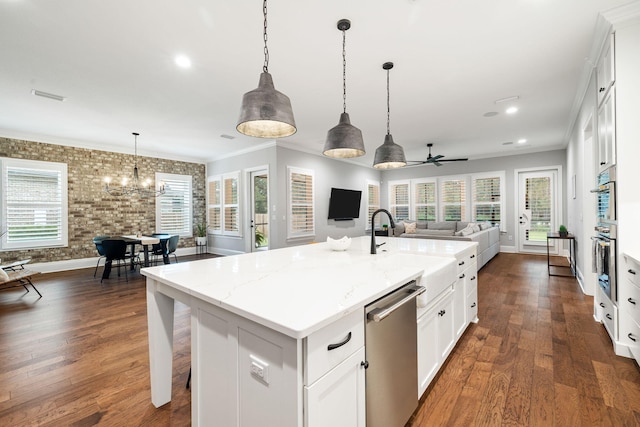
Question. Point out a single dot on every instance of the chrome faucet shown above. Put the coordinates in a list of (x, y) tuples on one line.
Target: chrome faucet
[(373, 231)]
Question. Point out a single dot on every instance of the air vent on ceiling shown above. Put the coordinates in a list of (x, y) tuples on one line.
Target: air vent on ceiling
[(48, 95)]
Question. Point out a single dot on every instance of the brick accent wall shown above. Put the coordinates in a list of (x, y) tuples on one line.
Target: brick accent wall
[(93, 212)]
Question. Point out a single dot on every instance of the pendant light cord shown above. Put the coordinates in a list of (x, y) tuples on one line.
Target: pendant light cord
[(388, 109), (344, 71), (265, 67)]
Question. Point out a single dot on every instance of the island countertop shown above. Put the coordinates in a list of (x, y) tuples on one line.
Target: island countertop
[(298, 290)]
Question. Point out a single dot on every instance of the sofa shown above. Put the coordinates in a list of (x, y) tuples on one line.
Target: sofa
[(487, 236)]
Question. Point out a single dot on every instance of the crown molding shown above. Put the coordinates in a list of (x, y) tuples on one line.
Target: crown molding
[(623, 16), (264, 145)]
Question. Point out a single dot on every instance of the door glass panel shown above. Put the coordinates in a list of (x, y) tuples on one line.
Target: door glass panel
[(260, 211), (538, 203)]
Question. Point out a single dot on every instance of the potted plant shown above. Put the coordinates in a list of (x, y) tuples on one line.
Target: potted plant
[(201, 234), (562, 230)]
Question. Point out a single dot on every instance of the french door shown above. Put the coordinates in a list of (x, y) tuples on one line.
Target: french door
[(538, 209), (259, 221)]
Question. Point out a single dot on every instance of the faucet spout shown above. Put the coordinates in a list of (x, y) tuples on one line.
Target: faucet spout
[(373, 231)]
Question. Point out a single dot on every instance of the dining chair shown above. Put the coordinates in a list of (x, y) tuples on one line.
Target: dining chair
[(116, 251), (172, 246), (98, 242)]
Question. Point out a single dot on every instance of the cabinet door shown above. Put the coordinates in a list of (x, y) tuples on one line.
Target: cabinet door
[(428, 354), (446, 331), (459, 307), (338, 398), (605, 72), (607, 132)]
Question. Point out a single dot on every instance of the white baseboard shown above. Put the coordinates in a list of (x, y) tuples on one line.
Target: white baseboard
[(508, 249), (76, 264)]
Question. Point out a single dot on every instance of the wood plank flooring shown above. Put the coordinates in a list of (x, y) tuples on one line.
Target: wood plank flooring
[(79, 356)]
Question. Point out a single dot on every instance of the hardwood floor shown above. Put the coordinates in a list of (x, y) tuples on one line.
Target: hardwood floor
[(79, 356)]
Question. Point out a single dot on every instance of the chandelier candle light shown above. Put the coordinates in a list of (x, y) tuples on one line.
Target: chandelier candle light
[(389, 155), (344, 140), (142, 189), (265, 112)]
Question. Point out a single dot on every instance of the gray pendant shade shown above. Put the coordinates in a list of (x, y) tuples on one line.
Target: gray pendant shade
[(265, 112), (344, 140), (389, 155)]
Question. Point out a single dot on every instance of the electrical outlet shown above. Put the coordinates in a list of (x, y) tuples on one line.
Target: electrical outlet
[(259, 369), (510, 237)]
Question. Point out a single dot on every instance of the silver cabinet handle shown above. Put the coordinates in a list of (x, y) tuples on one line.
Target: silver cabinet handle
[(378, 314)]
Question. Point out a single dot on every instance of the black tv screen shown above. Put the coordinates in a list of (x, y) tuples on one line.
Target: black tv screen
[(344, 204)]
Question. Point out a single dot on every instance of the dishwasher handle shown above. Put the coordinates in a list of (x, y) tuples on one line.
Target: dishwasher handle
[(379, 314)]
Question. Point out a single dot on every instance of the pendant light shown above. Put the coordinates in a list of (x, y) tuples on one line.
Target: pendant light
[(344, 140), (389, 155), (265, 112)]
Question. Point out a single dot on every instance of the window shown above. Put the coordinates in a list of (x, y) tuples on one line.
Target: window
[(373, 202), (215, 204), (230, 204), (399, 199), (453, 199), (301, 203), (174, 209), (487, 198), (424, 195), (34, 204)]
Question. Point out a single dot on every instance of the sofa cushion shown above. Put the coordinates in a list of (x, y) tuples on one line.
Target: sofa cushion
[(429, 232), (442, 225), (465, 231), (485, 225), (421, 224), (460, 225), (410, 227)]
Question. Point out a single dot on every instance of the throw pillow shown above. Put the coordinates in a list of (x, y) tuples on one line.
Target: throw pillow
[(4, 277), (410, 227), (485, 225)]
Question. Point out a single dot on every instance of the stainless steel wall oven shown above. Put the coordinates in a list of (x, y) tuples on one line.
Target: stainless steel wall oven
[(604, 242)]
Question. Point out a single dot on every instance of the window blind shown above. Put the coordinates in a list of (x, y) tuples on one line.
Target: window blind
[(425, 201), (301, 198), (453, 193), (215, 208), (34, 208), (399, 200), (373, 203), (487, 204), (174, 208), (231, 206)]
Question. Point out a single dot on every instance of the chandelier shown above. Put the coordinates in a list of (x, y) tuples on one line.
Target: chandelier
[(136, 187)]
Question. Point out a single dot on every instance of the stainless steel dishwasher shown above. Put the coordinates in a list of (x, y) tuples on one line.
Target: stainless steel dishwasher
[(391, 357)]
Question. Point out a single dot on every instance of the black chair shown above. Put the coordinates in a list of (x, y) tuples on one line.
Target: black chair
[(172, 246), (116, 250), (98, 242)]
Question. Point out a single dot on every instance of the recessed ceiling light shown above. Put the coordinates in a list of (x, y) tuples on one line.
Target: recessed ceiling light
[(48, 95), (183, 62), (511, 110), (490, 114), (522, 141)]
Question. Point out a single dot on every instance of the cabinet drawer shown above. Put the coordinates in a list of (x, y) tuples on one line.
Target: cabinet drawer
[(632, 270), (469, 259), (630, 334), (331, 345), (472, 306), (609, 314), (630, 300), (471, 284)]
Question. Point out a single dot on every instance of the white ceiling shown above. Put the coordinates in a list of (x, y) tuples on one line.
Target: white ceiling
[(114, 61)]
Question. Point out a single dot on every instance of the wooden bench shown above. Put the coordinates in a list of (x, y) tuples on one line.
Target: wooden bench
[(18, 276)]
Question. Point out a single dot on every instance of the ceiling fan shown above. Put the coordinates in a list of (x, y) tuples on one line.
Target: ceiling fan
[(436, 160)]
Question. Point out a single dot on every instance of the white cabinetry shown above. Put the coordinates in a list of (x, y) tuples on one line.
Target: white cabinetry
[(465, 290), (607, 313), (606, 106), (334, 392), (436, 337), (630, 305)]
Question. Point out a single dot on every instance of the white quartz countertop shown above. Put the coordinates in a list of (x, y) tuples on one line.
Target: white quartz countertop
[(299, 290)]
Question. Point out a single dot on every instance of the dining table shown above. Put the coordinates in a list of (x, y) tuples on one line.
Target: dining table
[(147, 243)]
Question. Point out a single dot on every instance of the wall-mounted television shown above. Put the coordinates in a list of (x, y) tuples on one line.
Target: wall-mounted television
[(344, 204)]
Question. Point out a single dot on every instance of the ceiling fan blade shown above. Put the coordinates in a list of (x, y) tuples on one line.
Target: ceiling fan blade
[(437, 163), (453, 160), (416, 162), (435, 158)]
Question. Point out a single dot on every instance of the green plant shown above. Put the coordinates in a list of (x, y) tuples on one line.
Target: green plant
[(562, 229), (261, 239), (201, 230)]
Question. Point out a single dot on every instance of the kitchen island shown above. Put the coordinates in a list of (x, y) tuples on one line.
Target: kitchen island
[(261, 324)]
